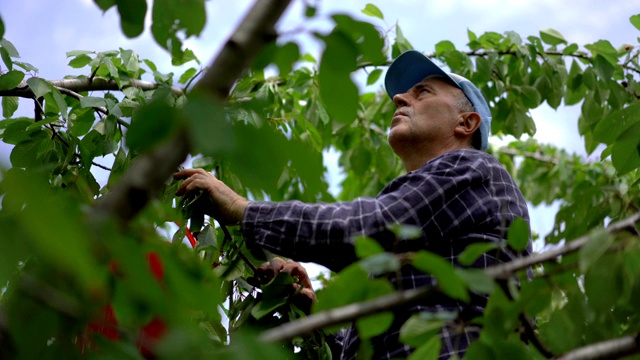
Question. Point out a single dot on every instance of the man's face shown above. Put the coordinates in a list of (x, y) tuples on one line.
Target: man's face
[(426, 115)]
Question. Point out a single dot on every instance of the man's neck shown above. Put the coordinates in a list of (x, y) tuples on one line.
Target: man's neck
[(414, 161)]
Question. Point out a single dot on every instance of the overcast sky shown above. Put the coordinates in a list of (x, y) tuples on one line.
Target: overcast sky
[(43, 31)]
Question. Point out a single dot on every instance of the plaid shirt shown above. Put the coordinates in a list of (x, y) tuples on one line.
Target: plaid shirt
[(458, 198)]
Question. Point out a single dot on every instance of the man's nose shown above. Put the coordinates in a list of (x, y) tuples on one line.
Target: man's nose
[(400, 100)]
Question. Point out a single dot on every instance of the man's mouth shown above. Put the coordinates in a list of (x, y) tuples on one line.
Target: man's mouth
[(397, 117)]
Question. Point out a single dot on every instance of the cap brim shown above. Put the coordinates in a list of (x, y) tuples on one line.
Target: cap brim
[(408, 69)]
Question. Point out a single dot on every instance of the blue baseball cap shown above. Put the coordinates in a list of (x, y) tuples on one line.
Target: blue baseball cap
[(412, 66)]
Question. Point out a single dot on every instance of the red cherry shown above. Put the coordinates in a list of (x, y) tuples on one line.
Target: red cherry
[(155, 265), (149, 335)]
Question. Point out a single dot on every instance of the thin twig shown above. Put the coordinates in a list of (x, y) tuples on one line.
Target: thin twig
[(608, 349), (99, 109), (526, 324), (506, 270), (344, 314)]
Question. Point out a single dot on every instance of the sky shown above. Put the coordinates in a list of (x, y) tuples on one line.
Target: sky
[(43, 31)]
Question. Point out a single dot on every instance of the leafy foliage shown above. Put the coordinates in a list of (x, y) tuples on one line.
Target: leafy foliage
[(65, 268)]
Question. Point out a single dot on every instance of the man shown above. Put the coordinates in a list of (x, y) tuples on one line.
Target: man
[(455, 193)]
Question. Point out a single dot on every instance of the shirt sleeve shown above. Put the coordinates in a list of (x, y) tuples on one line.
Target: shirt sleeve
[(448, 195)]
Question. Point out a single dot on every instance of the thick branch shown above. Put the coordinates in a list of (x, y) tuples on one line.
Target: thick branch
[(256, 30), (609, 349), (146, 177), (353, 311)]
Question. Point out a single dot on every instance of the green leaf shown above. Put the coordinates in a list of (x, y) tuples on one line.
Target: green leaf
[(518, 235), (286, 56), (79, 52), (406, 232), (360, 160), (366, 247), (9, 106), (348, 286), (635, 21), (427, 351), (337, 91), (604, 283), (444, 273), (150, 125), (373, 325), (187, 75), (39, 86), (477, 280), (530, 96), (374, 76), (80, 61), (59, 101), (605, 49), (130, 61), (373, 10), (81, 120), (6, 58), (92, 101), (401, 45), (379, 264), (132, 14), (267, 306), (599, 242), (552, 37), (422, 327), (113, 70), (170, 16), (472, 252), (570, 49), (625, 153), (1, 28), (7, 45), (11, 79), (105, 5), (616, 123), (443, 47), (25, 153)]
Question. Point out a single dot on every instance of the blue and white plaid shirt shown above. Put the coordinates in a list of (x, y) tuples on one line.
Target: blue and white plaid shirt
[(457, 199)]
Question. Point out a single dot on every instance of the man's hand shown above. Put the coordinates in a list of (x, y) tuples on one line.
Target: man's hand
[(226, 205), (305, 296)]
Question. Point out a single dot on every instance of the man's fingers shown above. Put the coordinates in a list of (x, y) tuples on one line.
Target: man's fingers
[(295, 269), (185, 173), (277, 264), (267, 271)]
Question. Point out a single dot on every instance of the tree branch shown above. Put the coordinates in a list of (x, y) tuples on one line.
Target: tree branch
[(146, 177), (353, 311), (608, 349), (344, 314), (535, 156), (506, 270), (86, 84)]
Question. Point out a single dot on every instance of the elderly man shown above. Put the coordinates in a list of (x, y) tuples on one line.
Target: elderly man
[(456, 193)]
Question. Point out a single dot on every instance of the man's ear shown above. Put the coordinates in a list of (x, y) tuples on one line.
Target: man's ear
[(468, 123)]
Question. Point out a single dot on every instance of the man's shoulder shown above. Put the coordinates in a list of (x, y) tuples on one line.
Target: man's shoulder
[(464, 157)]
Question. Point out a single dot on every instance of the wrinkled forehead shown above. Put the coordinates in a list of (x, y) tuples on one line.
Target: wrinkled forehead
[(441, 82)]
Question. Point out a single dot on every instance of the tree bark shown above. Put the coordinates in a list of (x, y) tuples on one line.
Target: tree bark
[(145, 178)]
